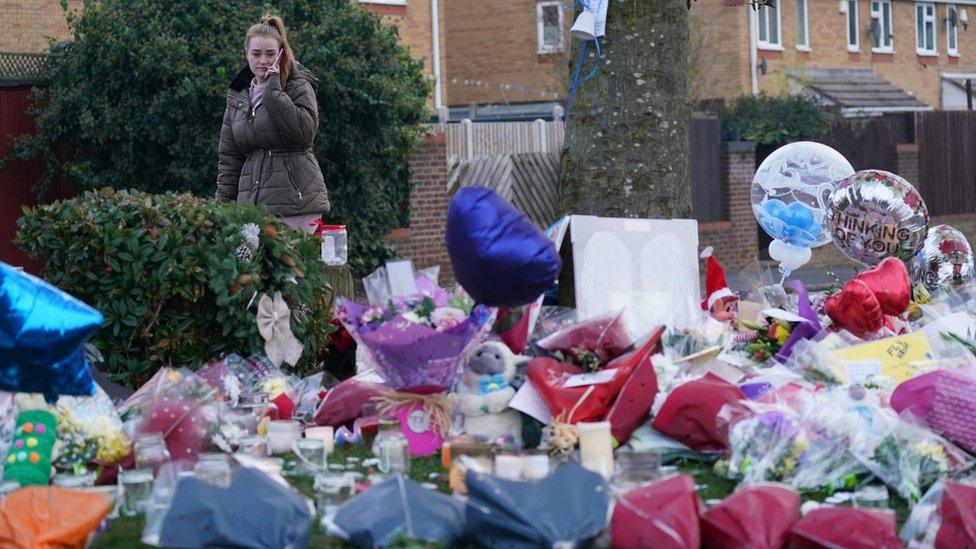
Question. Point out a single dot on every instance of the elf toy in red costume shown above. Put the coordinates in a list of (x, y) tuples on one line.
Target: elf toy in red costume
[(720, 302)]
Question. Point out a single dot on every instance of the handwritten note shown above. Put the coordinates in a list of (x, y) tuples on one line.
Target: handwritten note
[(595, 378), (898, 356)]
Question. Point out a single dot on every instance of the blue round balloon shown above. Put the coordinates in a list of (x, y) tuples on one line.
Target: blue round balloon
[(42, 335), (499, 256)]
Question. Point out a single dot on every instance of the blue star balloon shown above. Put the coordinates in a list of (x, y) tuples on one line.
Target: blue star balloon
[(42, 335), (500, 257)]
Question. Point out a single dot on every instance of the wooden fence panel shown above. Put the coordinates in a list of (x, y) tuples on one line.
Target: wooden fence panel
[(709, 199), (535, 177), (947, 161), (868, 142)]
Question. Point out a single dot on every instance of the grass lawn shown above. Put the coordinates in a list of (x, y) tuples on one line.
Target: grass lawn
[(126, 532)]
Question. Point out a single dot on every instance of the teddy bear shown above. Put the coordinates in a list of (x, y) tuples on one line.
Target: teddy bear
[(489, 371)]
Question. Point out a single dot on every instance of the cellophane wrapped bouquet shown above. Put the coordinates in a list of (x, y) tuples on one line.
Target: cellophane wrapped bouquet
[(799, 442), (89, 430), (416, 341)]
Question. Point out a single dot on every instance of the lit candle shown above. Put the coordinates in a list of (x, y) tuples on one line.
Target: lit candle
[(326, 434), (508, 467), (596, 447)]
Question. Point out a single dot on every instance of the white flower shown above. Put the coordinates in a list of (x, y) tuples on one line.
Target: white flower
[(447, 317), (251, 232)]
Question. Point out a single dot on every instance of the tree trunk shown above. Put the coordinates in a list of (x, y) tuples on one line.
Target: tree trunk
[(626, 151)]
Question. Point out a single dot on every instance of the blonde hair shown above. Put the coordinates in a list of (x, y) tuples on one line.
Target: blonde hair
[(273, 26)]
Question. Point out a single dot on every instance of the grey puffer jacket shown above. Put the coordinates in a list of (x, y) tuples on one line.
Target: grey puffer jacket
[(265, 153)]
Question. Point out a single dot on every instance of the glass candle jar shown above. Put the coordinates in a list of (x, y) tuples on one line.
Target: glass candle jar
[(136, 486), (392, 448), (334, 246), (213, 469), (596, 447), (151, 451), (635, 469)]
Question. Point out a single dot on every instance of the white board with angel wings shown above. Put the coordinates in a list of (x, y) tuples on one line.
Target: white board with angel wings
[(647, 267)]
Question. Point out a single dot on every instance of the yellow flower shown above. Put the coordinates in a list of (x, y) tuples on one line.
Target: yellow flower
[(782, 334), (932, 450), (274, 386), (800, 444)]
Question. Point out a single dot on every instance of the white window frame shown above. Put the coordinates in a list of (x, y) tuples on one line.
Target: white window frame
[(853, 42), (919, 49), (541, 27), (952, 32), (805, 27), (766, 11), (887, 34)]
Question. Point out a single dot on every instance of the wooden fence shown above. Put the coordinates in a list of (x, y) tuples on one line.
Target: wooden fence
[(868, 142), (468, 140), (947, 161), (478, 155), (709, 199)]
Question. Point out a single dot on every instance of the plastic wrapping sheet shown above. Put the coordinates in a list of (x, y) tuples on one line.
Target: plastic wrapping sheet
[(399, 507), (662, 515), (566, 509), (605, 335), (43, 516), (254, 512), (689, 414), (758, 517), (845, 527)]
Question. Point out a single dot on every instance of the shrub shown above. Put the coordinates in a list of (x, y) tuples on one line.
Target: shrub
[(172, 277), (768, 120), (140, 93)]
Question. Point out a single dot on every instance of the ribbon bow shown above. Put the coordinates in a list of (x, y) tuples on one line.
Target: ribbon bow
[(490, 384), (274, 325)]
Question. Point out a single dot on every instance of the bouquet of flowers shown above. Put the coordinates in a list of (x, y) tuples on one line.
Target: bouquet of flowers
[(590, 344), (416, 342), (909, 458), (180, 405), (89, 429), (802, 443)]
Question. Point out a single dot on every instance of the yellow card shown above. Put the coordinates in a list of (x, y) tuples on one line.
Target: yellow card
[(898, 357)]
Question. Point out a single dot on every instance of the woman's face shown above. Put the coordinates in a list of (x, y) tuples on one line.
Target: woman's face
[(261, 52)]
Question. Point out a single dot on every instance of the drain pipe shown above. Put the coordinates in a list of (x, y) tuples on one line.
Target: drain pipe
[(435, 32), (753, 46)]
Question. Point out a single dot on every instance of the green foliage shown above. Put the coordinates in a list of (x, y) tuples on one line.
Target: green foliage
[(168, 274), (140, 93), (767, 120)]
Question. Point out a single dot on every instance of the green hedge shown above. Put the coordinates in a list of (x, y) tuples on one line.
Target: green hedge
[(175, 276), (140, 93), (769, 120)]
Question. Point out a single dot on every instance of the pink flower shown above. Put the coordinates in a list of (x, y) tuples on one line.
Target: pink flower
[(447, 317)]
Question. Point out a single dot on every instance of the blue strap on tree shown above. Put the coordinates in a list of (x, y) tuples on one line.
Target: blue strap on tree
[(577, 78)]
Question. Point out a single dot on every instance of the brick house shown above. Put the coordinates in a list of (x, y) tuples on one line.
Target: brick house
[(914, 54), (28, 25), (923, 48)]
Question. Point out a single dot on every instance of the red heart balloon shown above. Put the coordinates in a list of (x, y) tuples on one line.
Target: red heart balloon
[(890, 284), (855, 308)]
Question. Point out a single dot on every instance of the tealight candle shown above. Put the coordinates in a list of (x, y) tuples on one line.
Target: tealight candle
[(325, 433), (596, 447), (508, 466), (535, 466)]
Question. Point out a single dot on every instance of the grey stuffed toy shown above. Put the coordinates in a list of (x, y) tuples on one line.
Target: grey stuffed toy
[(489, 372)]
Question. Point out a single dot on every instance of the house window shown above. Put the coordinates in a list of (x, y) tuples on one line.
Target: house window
[(853, 40), (769, 32), (881, 30), (952, 26), (549, 16), (925, 29), (802, 28)]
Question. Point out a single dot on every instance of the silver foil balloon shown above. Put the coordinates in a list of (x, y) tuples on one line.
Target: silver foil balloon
[(946, 259), (875, 214)]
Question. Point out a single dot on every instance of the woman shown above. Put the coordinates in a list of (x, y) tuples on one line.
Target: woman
[(265, 153)]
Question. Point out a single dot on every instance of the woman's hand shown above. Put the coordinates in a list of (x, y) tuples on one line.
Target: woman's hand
[(275, 65)]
